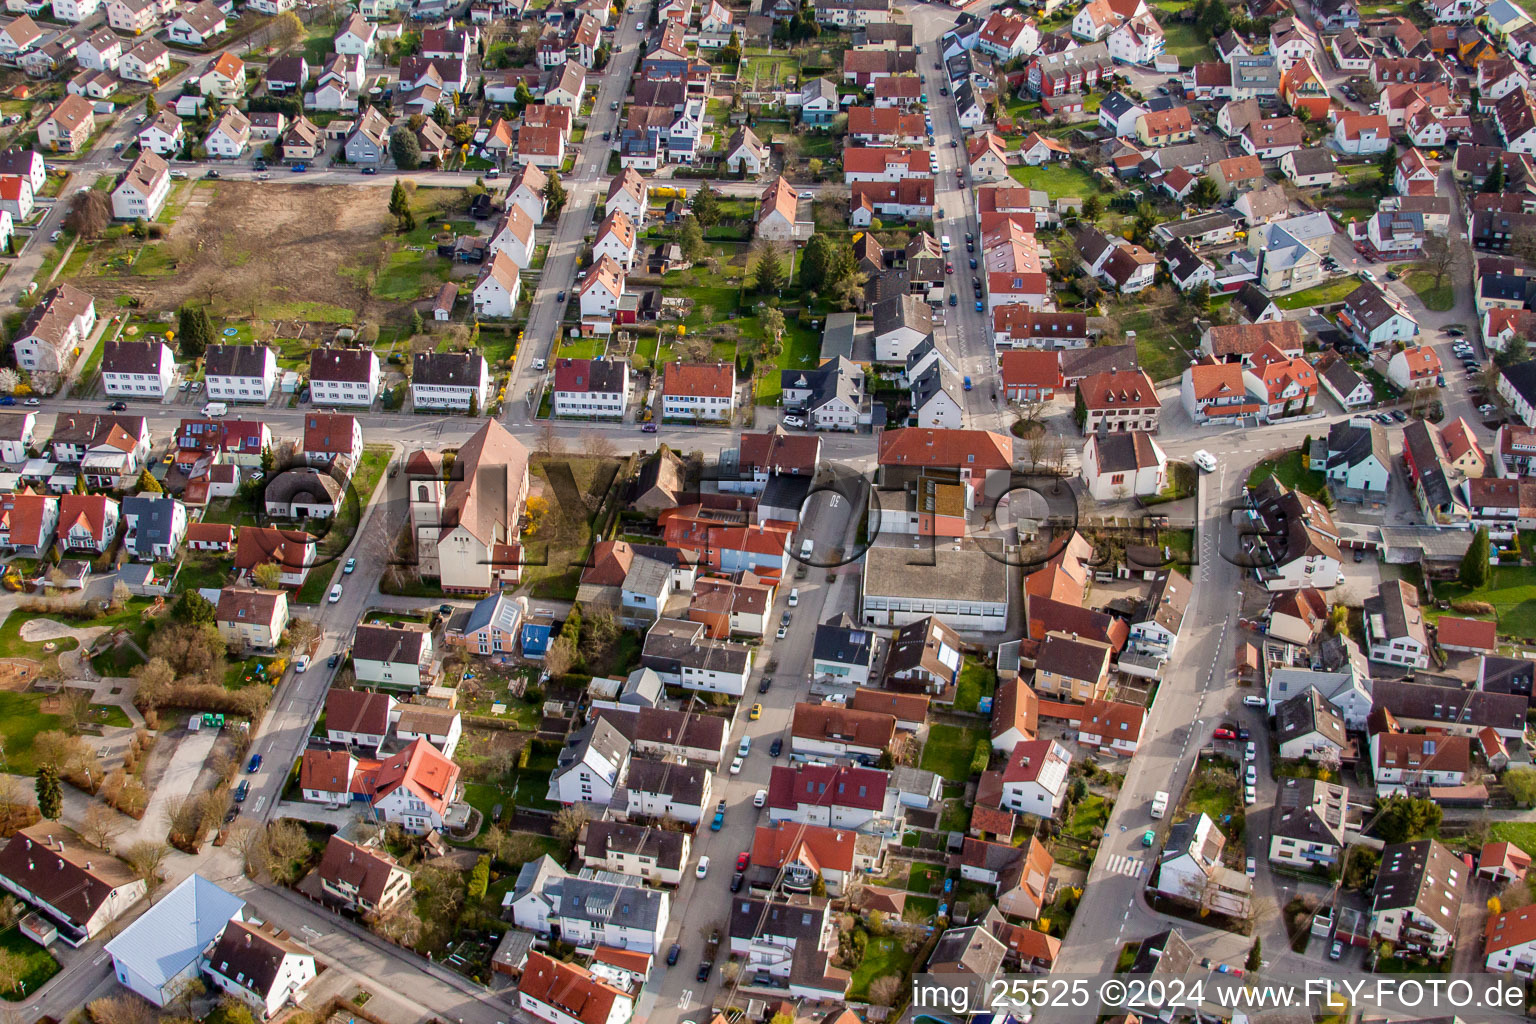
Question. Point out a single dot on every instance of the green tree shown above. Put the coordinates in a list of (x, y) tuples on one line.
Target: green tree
[(1474, 564), (1093, 208), (479, 877), (706, 206), (981, 757), (1206, 192), (521, 96), (417, 326), (151, 106), (1387, 165), (1360, 865), (1520, 781), (773, 324), (1401, 819), (815, 259), (1255, 957), (405, 148), (267, 576), (1515, 350), (1199, 297), (189, 333), (554, 191), (691, 239), (767, 268), (194, 608), (148, 484), (50, 795), (474, 405), (1494, 182), (399, 201)]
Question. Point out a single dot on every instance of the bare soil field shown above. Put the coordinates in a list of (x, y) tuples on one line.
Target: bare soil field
[(276, 251)]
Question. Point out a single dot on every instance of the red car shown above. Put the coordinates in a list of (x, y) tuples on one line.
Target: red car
[(741, 862), (1224, 734)]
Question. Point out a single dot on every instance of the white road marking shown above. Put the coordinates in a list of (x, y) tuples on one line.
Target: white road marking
[(260, 802), (1122, 864)]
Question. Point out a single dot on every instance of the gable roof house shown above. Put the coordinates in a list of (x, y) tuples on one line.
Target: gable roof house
[(161, 950), (1417, 898), (76, 892)]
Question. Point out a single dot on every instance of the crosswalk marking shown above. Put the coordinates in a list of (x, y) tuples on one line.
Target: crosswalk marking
[(1120, 864)]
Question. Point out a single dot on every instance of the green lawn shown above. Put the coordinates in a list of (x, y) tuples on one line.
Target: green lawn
[(583, 348), (1521, 833), (801, 350), (883, 956), (976, 681), (1319, 295), (38, 964), (1511, 589), (949, 750), (1439, 299), (21, 719), (1159, 347), (1292, 471), (1218, 802), (1186, 42), (1090, 813), (1058, 180), (923, 878)]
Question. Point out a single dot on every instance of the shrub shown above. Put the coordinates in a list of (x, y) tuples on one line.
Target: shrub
[(1468, 606)]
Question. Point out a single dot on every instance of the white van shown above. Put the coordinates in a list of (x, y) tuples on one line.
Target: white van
[(806, 547), (944, 243), (215, 409)]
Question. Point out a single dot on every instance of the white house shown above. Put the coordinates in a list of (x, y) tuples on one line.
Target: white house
[(1035, 780), (160, 953), (450, 380), (513, 235), (197, 25), (1307, 825), (137, 369), (1123, 464), (259, 966), (499, 287), (142, 193), (229, 136), (164, 135), (398, 657), (239, 373), (358, 36), (600, 289), (343, 376), (591, 766), (615, 239)]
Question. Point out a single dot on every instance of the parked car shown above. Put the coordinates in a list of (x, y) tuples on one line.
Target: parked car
[(254, 765), (794, 421), (370, 170), (776, 747), (118, 407), (782, 633), (1253, 700), (1224, 734), (703, 868), (673, 953), (762, 687), (335, 594), (333, 661), (1252, 867), (350, 567), (648, 428), (760, 798), (242, 791), (735, 770), (704, 969), (34, 402), (1336, 950), (736, 879)]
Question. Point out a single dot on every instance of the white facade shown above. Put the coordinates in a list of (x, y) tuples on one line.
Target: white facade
[(138, 385), (347, 392), (230, 388)]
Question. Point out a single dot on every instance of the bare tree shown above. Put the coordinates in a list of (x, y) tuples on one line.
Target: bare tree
[(286, 843), (550, 443), (569, 821), (75, 708), (101, 826), (597, 444), (145, 858), (560, 656), (13, 796), (1442, 255), (125, 1008), (89, 213), (883, 990)]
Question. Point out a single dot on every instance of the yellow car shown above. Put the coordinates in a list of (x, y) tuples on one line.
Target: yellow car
[(755, 713)]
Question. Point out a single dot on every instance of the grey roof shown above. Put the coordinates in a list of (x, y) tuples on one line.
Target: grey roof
[(448, 369), (935, 379), (1310, 811), (1351, 442), (1312, 160), (818, 88), (305, 485), (908, 311), (673, 644), (785, 492), (647, 576), (1522, 377), (662, 844), (836, 378), (642, 687), (837, 335), (1253, 301), (906, 779), (1344, 380), (1117, 104), (536, 875), (1182, 260), (1427, 702), (682, 783), (499, 609), (1423, 444), (920, 351), (974, 949), (1368, 306), (1163, 953), (598, 735), (839, 641), (1077, 363), (1193, 227), (1306, 713), (628, 906), (170, 936), (1498, 674), (236, 360), (155, 513), (1422, 875), (966, 574), (139, 357)]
